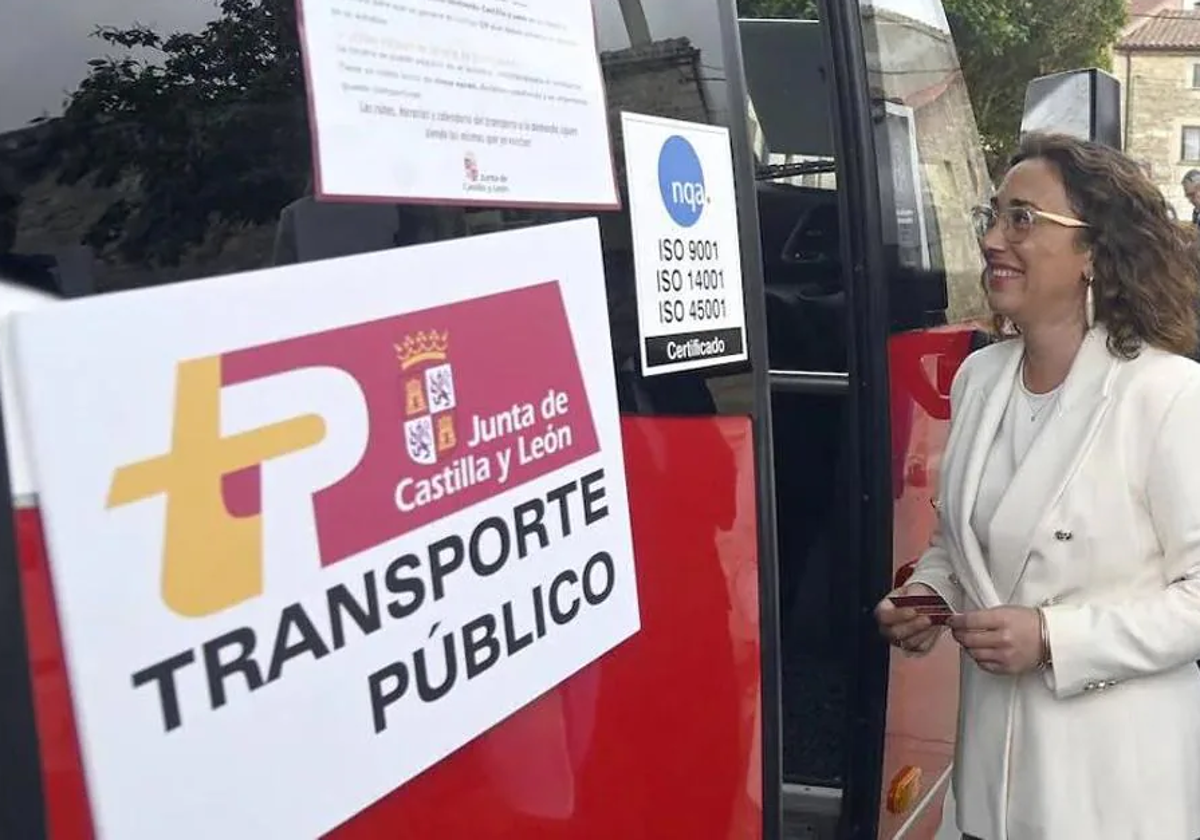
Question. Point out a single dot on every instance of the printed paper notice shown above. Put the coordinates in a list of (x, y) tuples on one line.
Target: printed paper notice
[(301, 555), (687, 257), (458, 102)]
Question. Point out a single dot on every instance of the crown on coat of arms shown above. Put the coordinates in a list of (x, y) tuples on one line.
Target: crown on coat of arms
[(432, 346)]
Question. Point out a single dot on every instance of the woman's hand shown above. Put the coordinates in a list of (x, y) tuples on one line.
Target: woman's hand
[(904, 628), (1004, 640)]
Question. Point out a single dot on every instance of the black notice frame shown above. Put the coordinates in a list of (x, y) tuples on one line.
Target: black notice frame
[(754, 293)]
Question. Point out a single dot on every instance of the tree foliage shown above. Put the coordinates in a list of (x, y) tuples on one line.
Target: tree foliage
[(1004, 44), (190, 129)]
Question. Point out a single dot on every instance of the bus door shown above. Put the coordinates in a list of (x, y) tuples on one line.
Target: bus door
[(797, 169), (931, 171), (182, 152), (868, 161)]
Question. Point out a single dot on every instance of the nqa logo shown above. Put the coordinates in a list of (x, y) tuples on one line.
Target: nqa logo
[(681, 181)]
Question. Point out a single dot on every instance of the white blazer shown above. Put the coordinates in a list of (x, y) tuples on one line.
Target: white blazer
[(1101, 526)]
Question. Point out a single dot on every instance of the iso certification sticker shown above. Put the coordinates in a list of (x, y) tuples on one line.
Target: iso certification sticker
[(687, 257)]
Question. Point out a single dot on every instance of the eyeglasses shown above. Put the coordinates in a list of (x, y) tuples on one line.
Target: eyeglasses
[(1017, 221)]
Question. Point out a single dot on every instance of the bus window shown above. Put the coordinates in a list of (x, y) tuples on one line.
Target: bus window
[(932, 169), (113, 139), (796, 179)]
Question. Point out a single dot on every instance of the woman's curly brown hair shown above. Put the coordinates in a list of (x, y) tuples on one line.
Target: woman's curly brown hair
[(1146, 265)]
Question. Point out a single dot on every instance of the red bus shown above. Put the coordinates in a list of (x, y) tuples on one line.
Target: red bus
[(773, 501)]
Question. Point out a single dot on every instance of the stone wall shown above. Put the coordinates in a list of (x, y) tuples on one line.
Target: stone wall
[(1159, 102)]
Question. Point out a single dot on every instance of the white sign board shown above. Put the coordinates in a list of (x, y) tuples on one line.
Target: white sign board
[(305, 541), (457, 103), (687, 256)]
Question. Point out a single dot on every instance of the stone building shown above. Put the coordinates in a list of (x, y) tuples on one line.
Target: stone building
[(1157, 62)]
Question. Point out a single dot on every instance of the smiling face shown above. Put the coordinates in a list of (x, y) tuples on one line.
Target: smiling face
[(1036, 276)]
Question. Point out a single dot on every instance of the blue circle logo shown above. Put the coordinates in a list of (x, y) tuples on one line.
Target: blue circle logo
[(681, 181)]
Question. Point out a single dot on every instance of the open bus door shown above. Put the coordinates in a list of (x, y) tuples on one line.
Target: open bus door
[(871, 274), (773, 501)]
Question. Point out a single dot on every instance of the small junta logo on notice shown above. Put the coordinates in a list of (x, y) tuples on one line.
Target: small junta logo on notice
[(429, 397), (681, 181), (471, 166)]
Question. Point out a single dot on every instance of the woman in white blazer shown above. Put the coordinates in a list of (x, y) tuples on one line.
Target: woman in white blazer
[(1068, 541)]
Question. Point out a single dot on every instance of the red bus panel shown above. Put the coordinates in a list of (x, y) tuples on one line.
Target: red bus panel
[(659, 738)]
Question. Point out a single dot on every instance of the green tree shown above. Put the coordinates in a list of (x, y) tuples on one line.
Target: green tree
[(1004, 44), (189, 129), (802, 9)]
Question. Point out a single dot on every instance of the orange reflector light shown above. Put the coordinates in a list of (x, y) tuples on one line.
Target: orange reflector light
[(904, 790)]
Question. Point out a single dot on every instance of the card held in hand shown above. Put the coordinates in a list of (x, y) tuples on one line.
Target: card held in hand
[(933, 607)]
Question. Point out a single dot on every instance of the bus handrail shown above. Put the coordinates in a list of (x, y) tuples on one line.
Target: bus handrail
[(809, 381)]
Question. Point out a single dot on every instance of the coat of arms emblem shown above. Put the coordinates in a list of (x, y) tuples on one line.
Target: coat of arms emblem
[(429, 398)]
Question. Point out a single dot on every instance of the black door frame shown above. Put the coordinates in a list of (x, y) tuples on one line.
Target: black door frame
[(863, 253), (754, 294)]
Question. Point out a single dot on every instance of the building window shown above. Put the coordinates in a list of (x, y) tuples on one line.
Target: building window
[(1191, 144), (1196, 75)]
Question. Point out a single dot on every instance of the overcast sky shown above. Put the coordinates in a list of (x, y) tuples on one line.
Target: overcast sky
[(45, 45)]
